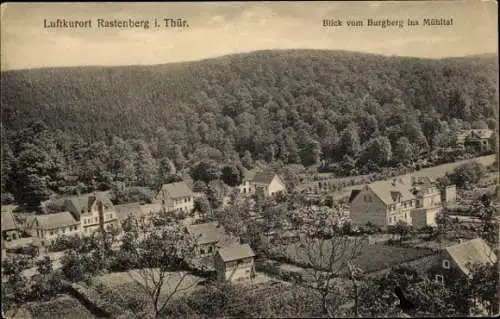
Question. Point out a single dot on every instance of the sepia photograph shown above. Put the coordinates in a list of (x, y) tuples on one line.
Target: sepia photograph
[(264, 159)]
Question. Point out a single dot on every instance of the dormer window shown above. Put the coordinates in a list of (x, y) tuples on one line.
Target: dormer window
[(446, 264), (440, 279)]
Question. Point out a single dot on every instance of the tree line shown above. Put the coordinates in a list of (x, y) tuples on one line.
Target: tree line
[(83, 129)]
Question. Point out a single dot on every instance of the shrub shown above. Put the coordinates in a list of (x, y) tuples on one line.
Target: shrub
[(66, 242)]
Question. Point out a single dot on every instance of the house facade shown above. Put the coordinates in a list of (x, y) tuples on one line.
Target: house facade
[(10, 228), (382, 203), (480, 139), (46, 228), (246, 187), (454, 260), (94, 211), (209, 238), (270, 184), (235, 263), (176, 197), (416, 201)]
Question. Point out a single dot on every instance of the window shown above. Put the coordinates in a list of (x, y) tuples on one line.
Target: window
[(96, 219), (51, 233), (202, 251), (210, 249), (440, 278), (446, 264)]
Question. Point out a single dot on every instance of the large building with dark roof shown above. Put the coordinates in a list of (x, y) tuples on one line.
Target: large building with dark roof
[(47, 227), (69, 215), (416, 201)]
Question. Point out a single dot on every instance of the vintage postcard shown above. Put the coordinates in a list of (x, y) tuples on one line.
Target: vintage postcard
[(250, 159)]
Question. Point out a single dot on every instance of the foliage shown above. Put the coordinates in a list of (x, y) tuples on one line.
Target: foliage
[(124, 195), (311, 107), (202, 205), (484, 283), (402, 228), (158, 255), (232, 175), (467, 174), (378, 300)]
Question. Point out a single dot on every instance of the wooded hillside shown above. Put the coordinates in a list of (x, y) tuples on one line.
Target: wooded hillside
[(98, 125)]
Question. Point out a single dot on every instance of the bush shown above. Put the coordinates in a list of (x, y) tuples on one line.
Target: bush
[(29, 250), (467, 174), (66, 242)]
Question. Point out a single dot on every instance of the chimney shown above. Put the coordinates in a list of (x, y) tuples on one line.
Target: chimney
[(91, 200)]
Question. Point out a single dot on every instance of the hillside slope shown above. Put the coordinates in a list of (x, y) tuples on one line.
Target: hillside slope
[(92, 127), (132, 101)]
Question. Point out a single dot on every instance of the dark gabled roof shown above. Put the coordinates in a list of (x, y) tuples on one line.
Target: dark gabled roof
[(57, 220), (353, 195), (81, 204), (175, 190), (206, 233), (471, 251), (235, 252), (264, 177), (248, 175), (8, 221)]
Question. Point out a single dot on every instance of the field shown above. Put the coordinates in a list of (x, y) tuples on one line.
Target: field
[(370, 258), (130, 279), (61, 307), (441, 170)]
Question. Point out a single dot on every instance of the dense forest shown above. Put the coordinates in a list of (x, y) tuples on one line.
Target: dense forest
[(87, 128)]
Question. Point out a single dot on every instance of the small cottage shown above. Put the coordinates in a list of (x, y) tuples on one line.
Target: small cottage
[(235, 263)]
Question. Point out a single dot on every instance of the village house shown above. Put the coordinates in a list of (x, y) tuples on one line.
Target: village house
[(209, 238), (143, 212), (235, 263), (176, 197), (47, 227), (246, 186), (415, 201), (269, 183), (428, 203), (94, 211), (479, 139), (10, 228), (454, 261)]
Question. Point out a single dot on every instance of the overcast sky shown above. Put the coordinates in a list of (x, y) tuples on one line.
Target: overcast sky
[(223, 28)]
